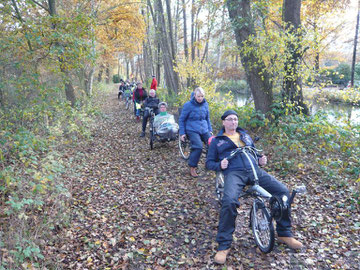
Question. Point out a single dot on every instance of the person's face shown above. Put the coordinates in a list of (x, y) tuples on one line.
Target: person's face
[(162, 108), (199, 97), (152, 94), (230, 123), (139, 86)]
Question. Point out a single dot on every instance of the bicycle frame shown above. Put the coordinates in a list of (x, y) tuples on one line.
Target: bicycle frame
[(260, 216)]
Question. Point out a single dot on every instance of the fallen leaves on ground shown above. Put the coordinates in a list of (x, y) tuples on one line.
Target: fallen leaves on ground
[(133, 208)]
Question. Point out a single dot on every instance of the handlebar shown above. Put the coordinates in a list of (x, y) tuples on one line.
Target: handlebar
[(252, 150)]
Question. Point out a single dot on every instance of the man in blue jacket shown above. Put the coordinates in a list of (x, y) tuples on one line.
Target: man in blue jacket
[(237, 174), (194, 122)]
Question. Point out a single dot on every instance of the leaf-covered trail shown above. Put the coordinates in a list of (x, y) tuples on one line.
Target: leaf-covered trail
[(133, 208)]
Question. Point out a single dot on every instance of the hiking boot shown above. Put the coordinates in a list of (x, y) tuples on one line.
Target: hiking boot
[(193, 172), (220, 257), (142, 134), (291, 242)]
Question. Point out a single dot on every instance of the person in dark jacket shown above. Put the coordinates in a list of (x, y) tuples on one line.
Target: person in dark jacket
[(238, 173), (122, 88), (194, 122), (139, 96), (150, 102)]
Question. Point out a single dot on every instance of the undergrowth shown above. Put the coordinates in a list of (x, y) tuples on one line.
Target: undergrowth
[(34, 186)]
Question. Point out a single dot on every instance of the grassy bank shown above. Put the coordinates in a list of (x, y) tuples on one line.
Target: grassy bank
[(36, 172)]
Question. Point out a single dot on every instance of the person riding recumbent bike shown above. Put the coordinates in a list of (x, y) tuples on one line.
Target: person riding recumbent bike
[(163, 127)]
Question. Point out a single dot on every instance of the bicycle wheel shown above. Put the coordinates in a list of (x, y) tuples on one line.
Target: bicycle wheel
[(127, 103), (151, 124), (151, 140), (262, 227), (219, 186), (184, 148)]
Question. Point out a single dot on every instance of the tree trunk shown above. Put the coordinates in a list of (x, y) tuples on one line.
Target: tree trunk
[(69, 89), (100, 73), (170, 29), (171, 77), (355, 46), (186, 50), (292, 84), (192, 38), (107, 76), (127, 68), (257, 76), (88, 81)]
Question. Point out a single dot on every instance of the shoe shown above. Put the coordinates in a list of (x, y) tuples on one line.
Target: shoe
[(220, 257), (137, 118), (291, 242), (142, 134), (193, 172)]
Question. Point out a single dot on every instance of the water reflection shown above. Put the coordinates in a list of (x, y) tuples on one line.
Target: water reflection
[(333, 111)]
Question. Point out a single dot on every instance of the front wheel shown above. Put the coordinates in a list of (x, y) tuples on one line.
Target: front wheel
[(262, 227), (184, 148)]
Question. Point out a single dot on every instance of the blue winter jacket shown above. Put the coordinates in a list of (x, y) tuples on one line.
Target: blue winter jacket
[(195, 117), (221, 147)]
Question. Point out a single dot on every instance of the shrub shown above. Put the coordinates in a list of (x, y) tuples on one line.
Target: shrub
[(116, 78)]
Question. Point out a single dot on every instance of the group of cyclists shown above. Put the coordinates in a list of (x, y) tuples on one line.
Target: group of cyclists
[(195, 125)]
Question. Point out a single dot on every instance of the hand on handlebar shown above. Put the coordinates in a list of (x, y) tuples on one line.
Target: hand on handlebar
[(224, 164), (182, 137), (263, 160)]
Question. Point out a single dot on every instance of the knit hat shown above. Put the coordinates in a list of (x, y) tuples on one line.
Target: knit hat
[(163, 103), (227, 113)]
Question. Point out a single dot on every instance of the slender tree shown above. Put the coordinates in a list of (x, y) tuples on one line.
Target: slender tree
[(355, 46)]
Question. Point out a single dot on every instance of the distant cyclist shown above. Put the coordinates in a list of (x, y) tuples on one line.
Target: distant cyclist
[(151, 102), (122, 88), (139, 96)]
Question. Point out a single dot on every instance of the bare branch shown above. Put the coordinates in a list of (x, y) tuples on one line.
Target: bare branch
[(40, 5)]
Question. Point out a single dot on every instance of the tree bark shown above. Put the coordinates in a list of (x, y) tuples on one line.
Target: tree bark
[(192, 38), (186, 50), (355, 46), (69, 89), (107, 74), (292, 84), (171, 77), (257, 76), (170, 28)]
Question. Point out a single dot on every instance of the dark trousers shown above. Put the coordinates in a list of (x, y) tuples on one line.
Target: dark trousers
[(146, 117), (196, 140), (234, 184)]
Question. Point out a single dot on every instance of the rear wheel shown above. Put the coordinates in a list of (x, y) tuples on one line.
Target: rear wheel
[(262, 227), (151, 132), (151, 140), (184, 148)]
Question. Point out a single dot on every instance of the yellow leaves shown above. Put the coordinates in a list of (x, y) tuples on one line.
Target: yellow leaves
[(132, 239)]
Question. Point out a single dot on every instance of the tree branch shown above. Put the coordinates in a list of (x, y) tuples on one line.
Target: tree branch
[(40, 5)]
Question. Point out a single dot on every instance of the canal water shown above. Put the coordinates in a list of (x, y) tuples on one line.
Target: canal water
[(332, 110)]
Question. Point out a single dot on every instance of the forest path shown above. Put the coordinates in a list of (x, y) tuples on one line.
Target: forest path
[(133, 208)]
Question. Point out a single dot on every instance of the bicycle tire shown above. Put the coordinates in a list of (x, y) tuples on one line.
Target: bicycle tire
[(151, 140), (184, 148), (151, 127), (127, 104), (262, 227), (219, 186)]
